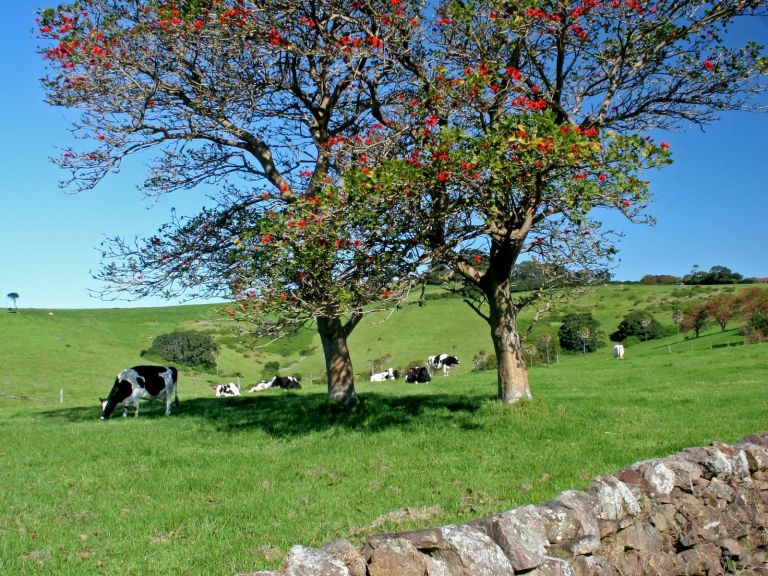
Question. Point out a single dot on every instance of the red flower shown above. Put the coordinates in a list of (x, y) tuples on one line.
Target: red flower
[(708, 64), (626, 203), (602, 177), (198, 24), (478, 259), (443, 176), (665, 145), (431, 120), (266, 239)]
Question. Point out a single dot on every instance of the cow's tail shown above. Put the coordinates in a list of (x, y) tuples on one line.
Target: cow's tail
[(175, 377)]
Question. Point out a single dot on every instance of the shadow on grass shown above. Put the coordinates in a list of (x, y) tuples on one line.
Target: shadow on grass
[(296, 414)]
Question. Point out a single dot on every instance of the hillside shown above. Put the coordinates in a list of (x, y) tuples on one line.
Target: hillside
[(79, 351)]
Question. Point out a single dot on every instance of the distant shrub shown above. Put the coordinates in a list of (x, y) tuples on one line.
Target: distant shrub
[(188, 347), (270, 369), (579, 332), (638, 323)]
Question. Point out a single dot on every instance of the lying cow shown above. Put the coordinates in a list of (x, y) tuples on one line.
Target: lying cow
[(133, 384), (263, 385), (230, 389), (418, 374), (285, 382), (618, 351), (384, 376), (444, 361)]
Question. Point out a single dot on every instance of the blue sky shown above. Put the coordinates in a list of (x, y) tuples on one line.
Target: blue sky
[(711, 204)]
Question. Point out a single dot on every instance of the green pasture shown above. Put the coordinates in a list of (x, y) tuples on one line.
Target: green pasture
[(227, 485)]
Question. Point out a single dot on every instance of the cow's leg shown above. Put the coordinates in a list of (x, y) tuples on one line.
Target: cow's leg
[(168, 398)]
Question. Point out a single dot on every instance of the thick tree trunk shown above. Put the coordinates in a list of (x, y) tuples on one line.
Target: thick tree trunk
[(338, 364), (510, 357)]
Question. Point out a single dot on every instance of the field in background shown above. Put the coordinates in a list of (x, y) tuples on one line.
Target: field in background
[(227, 485)]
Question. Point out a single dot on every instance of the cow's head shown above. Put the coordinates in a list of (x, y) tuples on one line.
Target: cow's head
[(121, 390)]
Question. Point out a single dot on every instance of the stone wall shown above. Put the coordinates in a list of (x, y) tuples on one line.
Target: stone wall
[(701, 511)]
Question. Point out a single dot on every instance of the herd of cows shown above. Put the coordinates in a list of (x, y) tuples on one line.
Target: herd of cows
[(159, 383)]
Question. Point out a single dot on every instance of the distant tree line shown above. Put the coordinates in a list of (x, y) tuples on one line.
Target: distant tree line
[(580, 332), (715, 275)]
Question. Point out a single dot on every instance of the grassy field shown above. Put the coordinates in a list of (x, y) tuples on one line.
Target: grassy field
[(227, 485)]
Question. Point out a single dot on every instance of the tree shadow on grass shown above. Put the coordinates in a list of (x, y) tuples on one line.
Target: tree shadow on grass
[(286, 415)]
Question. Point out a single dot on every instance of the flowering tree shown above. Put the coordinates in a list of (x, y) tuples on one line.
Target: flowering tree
[(534, 120), (256, 98)]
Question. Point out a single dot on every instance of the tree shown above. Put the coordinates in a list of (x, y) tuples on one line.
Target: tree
[(256, 99), (715, 275), (534, 118), (13, 296), (753, 305), (638, 323), (579, 332), (695, 317), (722, 307), (188, 347)]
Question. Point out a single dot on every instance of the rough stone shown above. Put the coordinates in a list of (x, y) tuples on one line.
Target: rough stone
[(470, 552), (303, 561), (592, 566), (560, 522), (553, 567), (756, 455), (614, 499), (686, 472), (345, 551), (397, 557), (581, 507), (641, 537), (703, 559), (521, 534)]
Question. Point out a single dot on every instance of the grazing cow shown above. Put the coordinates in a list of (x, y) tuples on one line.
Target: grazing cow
[(285, 382), (444, 361), (618, 351), (418, 374), (230, 389), (384, 376), (133, 384)]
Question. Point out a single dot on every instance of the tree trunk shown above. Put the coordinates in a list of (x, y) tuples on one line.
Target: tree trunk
[(338, 364), (510, 358)]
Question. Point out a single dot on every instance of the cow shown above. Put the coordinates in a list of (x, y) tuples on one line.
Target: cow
[(285, 382), (418, 374), (263, 385), (384, 376), (230, 389), (137, 382), (444, 361), (618, 351)]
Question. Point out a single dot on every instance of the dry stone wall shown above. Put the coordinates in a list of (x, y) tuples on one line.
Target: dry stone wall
[(703, 511)]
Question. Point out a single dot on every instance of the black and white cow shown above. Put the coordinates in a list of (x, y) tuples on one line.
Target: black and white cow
[(263, 385), (133, 384), (444, 361), (285, 382), (231, 389), (384, 376), (418, 374)]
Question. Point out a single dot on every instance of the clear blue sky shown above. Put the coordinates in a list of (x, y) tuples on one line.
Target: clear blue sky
[(711, 204)]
